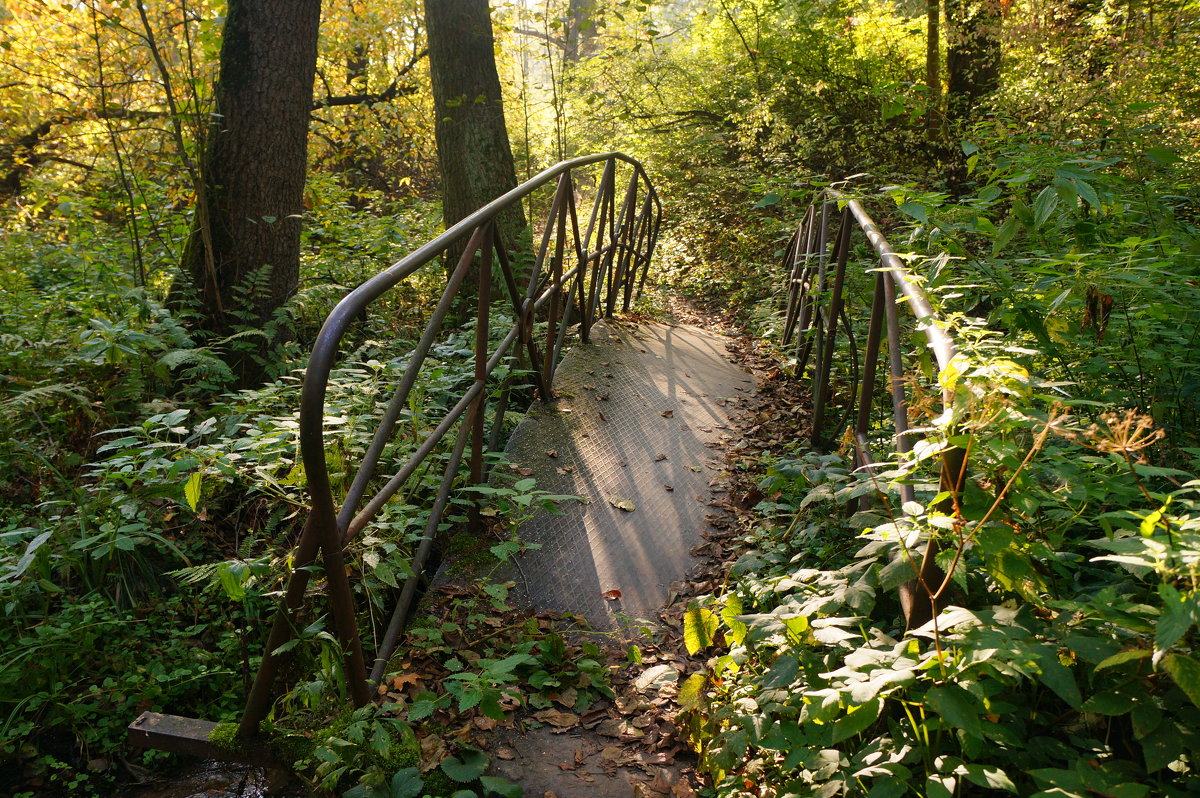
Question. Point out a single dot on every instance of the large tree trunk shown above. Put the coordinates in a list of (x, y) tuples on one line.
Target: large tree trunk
[(244, 254), (472, 140), (582, 28), (972, 54)]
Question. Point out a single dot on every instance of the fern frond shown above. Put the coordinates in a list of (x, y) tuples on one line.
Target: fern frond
[(46, 393)]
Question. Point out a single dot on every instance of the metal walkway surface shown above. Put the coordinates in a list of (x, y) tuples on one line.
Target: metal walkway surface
[(639, 411)]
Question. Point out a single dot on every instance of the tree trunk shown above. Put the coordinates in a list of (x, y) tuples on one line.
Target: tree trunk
[(972, 54), (472, 140), (582, 19), (933, 69), (245, 265)]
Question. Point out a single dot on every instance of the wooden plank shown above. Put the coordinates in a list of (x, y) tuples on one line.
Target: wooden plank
[(179, 735)]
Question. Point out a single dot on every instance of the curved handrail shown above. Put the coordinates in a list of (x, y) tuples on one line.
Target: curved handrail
[(611, 258), (814, 329)]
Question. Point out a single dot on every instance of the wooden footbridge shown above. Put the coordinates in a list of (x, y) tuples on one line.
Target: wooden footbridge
[(632, 418)]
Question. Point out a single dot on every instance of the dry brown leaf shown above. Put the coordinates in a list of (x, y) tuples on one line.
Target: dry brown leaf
[(611, 595), (668, 414), (557, 718)]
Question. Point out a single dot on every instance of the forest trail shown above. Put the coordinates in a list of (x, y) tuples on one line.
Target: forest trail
[(639, 427), (635, 431)]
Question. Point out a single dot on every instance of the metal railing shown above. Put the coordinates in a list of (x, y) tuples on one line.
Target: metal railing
[(816, 264), (578, 273), (575, 269)]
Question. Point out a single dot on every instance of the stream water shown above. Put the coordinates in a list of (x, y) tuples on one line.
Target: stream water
[(212, 779)]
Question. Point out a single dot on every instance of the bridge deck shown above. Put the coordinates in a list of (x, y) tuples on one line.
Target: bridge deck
[(639, 412)]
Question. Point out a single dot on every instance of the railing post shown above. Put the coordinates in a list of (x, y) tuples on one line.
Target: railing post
[(481, 358), (825, 361)]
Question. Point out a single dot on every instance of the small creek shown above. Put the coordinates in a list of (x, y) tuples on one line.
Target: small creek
[(211, 779)]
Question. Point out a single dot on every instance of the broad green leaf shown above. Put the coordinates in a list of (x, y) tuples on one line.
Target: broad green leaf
[(191, 491), (1176, 619), (729, 614), (783, 672), (858, 719), (1186, 673), (1124, 656), (689, 691), (1044, 205), (916, 210), (1162, 746), (988, 776), (1058, 678), (768, 200), (467, 766), (407, 783), (957, 707), (1088, 193), (699, 627), (500, 786), (1005, 234), (1162, 155)]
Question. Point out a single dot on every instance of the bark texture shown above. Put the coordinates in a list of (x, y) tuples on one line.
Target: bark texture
[(246, 265), (472, 140), (972, 54)]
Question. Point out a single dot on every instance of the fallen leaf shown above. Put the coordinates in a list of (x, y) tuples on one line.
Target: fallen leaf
[(557, 718), (612, 752), (505, 753), (402, 679), (564, 470), (566, 765), (621, 503), (669, 487), (611, 595), (660, 458), (695, 468), (552, 453), (668, 414)]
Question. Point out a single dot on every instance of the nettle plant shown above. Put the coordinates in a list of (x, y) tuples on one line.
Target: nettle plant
[(1064, 661)]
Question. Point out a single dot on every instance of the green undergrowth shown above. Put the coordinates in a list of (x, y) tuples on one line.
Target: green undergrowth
[(1063, 664)]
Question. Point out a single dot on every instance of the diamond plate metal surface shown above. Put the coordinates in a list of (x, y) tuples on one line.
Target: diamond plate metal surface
[(640, 409)]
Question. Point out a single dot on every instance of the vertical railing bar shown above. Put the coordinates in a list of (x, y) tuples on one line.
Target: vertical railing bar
[(852, 345), (825, 359), (258, 702), (621, 241), (342, 610), (597, 256), (641, 232), (400, 613), (555, 209), (866, 396), (798, 251), (555, 298), (792, 305), (482, 324), (896, 378), (387, 425), (523, 307), (602, 192), (808, 297), (585, 321), (655, 220)]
